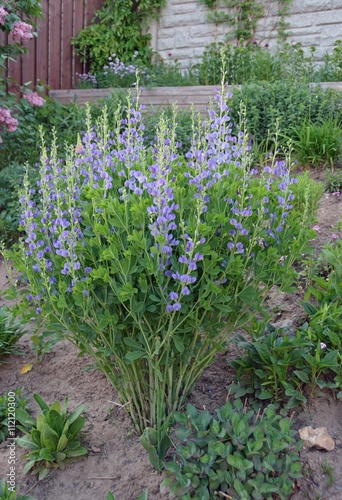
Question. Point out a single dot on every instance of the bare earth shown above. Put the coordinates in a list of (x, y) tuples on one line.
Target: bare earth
[(116, 460)]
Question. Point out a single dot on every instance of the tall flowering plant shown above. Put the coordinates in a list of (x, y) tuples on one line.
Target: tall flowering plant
[(149, 260)]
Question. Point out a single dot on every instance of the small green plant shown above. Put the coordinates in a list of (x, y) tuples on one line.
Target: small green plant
[(11, 330), (328, 470), (8, 493), (331, 71), (20, 402), (52, 438), (317, 143), (240, 453), (142, 496), (333, 181), (268, 369)]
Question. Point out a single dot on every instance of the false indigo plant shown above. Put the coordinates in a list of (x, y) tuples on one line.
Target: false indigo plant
[(149, 259)]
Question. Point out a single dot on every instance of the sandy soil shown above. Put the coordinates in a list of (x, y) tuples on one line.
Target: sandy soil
[(116, 460)]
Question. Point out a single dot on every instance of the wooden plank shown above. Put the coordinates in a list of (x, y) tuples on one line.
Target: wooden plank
[(78, 24), (54, 44), (29, 63), (200, 96), (66, 50), (42, 58)]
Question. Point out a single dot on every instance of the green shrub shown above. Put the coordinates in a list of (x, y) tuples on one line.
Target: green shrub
[(331, 70), (158, 256), (20, 402), (254, 63), (242, 453), (11, 330), (289, 102), (52, 438), (8, 494), (312, 189), (333, 181)]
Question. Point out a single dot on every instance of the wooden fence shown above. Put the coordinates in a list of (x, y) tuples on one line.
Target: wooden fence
[(51, 59)]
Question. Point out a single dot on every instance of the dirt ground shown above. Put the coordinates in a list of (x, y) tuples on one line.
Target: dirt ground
[(116, 460)]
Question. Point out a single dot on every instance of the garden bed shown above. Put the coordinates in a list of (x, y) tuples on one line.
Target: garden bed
[(116, 460)]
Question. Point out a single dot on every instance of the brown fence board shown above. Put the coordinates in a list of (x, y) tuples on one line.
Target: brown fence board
[(66, 35), (55, 52), (78, 23), (28, 62), (42, 47), (51, 58)]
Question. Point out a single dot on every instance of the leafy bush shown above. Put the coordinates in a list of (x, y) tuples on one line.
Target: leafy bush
[(20, 402), (254, 63), (159, 257), (288, 102), (242, 453), (7, 494), (11, 330), (51, 438), (331, 70), (120, 29)]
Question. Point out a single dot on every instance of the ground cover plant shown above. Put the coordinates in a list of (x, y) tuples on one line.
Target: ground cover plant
[(242, 452)]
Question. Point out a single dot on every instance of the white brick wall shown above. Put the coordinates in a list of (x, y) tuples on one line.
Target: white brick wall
[(183, 29)]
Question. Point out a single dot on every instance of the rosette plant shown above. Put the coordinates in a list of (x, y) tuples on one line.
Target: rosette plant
[(148, 260)]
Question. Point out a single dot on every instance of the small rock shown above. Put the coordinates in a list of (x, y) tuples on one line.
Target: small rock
[(317, 438), (95, 449)]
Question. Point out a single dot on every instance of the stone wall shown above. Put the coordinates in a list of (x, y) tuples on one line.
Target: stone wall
[(183, 31)]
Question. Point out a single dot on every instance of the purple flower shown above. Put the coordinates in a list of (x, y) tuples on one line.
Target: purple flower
[(173, 295)]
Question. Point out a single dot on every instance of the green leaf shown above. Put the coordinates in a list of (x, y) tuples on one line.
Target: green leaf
[(76, 453), (26, 442), (110, 496), (24, 418), (129, 341), (178, 344), (76, 413), (55, 421), (41, 403), (75, 428), (49, 438), (248, 294), (28, 466), (143, 495), (134, 355), (63, 441), (45, 454), (43, 473)]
